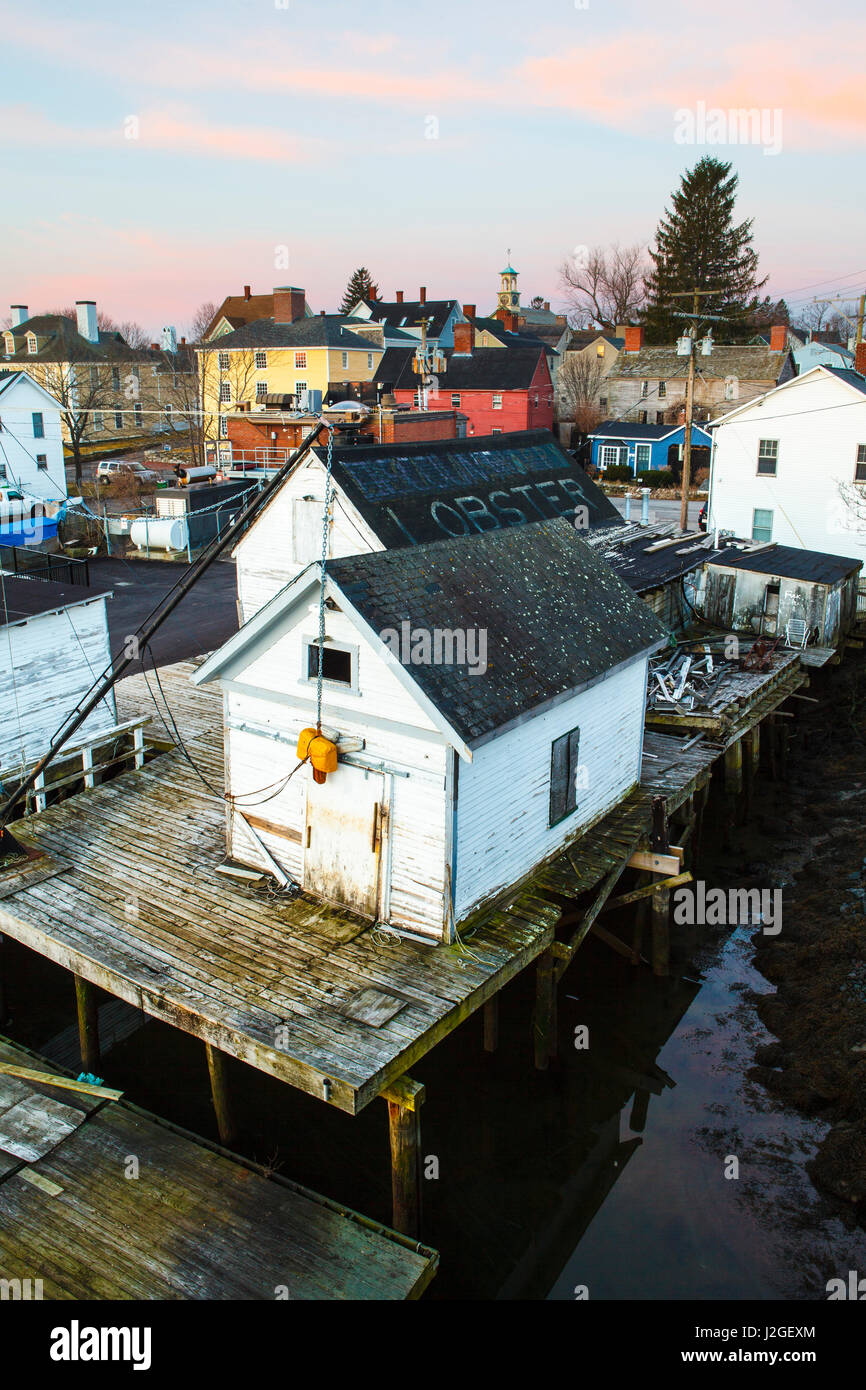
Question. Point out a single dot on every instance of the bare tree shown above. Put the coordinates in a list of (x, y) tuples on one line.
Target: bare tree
[(580, 380), (200, 321), (132, 333), (604, 285), (82, 386), (812, 315)]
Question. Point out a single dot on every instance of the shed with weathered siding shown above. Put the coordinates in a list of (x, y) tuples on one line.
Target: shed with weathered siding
[(486, 694), (53, 642), (763, 590)]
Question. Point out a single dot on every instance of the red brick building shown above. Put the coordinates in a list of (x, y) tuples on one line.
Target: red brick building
[(266, 437), (499, 390)]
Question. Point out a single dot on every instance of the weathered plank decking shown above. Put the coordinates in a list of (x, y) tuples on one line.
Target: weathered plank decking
[(194, 1223), (740, 701), (140, 910)]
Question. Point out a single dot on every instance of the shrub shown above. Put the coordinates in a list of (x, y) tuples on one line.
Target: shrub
[(656, 477), (618, 473)]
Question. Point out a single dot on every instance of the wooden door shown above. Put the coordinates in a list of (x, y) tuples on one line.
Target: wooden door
[(343, 839)]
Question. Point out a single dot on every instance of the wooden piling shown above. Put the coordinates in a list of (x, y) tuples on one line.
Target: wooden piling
[(544, 1029), (490, 1022), (661, 932), (88, 1025), (405, 1098), (216, 1065), (639, 1111)]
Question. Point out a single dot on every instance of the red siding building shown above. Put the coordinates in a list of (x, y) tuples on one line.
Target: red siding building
[(499, 390)]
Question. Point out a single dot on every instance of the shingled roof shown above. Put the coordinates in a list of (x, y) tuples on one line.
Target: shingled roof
[(421, 491), (748, 363), (322, 330), (788, 562), (485, 369), (555, 615), (409, 313)]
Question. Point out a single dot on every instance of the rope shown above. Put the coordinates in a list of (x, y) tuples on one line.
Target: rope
[(326, 514)]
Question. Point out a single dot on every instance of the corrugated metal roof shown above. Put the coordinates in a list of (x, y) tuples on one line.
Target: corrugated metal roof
[(554, 614)]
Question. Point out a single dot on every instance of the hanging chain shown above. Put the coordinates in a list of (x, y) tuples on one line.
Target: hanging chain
[(326, 516)]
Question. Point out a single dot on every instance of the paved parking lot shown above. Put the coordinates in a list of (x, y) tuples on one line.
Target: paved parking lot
[(205, 618)]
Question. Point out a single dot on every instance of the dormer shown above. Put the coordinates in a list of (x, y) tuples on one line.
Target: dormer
[(32, 344)]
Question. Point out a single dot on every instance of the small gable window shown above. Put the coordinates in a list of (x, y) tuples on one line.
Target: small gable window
[(338, 664), (564, 769), (31, 343), (38, 425)]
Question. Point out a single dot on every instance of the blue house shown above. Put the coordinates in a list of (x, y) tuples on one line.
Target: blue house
[(647, 446)]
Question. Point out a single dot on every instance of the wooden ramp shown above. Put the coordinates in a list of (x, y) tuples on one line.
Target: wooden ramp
[(194, 1224)]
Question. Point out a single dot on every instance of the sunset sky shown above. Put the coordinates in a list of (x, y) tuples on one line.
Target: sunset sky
[(307, 126)]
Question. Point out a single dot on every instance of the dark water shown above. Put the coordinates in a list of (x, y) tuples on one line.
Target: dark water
[(547, 1182)]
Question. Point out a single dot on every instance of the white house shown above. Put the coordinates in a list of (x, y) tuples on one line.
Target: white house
[(53, 641), (390, 495), (486, 698), (790, 467), (31, 445)]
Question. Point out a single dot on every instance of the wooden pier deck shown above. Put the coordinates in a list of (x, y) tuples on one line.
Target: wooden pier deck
[(128, 897), (195, 1223)]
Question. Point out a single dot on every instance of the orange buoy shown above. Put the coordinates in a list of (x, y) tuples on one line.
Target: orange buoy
[(321, 752)]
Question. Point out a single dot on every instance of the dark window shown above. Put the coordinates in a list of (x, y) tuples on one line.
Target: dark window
[(563, 775), (336, 665), (663, 390), (660, 417), (38, 425), (2, 470), (860, 470), (641, 419), (118, 420), (115, 378), (42, 461)]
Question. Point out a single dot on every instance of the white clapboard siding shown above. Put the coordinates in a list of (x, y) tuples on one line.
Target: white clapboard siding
[(504, 793), (23, 448), (46, 664), (288, 535), (819, 422), (269, 701)]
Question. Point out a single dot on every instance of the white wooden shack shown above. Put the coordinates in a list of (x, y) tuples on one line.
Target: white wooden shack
[(486, 695), (779, 590), (391, 495), (53, 643)]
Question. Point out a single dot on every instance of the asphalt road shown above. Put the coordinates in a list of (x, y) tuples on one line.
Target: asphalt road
[(660, 509), (204, 619)]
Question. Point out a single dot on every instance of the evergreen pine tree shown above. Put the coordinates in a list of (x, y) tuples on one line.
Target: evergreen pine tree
[(698, 245), (361, 286)]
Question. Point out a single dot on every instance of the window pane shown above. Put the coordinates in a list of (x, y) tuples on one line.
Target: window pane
[(336, 664), (762, 525)]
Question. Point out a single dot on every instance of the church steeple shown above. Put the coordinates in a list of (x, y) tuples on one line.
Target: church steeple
[(509, 294)]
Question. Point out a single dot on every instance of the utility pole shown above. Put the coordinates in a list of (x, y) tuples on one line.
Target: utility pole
[(696, 294)]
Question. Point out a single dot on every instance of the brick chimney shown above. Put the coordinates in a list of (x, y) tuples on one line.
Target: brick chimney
[(464, 337), (512, 322), (469, 310), (289, 304), (547, 305), (778, 337), (633, 337), (422, 294), (246, 291), (860, 358), (399, 296)]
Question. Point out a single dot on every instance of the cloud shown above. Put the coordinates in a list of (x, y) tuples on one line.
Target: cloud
[(172, 129)]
